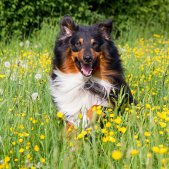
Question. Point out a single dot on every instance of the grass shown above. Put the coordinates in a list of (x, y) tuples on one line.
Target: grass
[(32, 133)]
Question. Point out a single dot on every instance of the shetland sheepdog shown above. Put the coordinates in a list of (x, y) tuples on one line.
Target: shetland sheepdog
[(87, 70)]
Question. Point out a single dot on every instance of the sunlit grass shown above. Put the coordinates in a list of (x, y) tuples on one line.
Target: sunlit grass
[(32, 133)]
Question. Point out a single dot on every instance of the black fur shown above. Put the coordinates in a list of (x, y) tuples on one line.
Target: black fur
[(101, 33)]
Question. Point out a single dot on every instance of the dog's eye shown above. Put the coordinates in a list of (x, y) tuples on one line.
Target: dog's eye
[(78, 44), (95, 44)]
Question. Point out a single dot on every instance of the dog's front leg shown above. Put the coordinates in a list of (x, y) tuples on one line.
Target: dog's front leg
[(96, 89)]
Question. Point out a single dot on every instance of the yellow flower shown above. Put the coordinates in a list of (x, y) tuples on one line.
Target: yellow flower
[(20, 140), (2, 76), (27, 147), (13, 143), (155, 149), (162, 124), (136, 136), (96, 127), (164, 160), (161, 132), (6, 159), (162, 115), (122, 129), (108, 124), (134, 152), (26, 134), (111, 139), (2, 166), (149, 155), (60, 115), (42, 137), (111, 115), (104, 131), (163, 150), (110, 110), (34, 121), (165, 98), (21, 150), (36, 148), (21, 127), (138, 143), (111, 133), (147, 134), (28, 156), (80, 136), (94, 108), (99, 112), (80, 116), (118, 144), (16, 159), (43, 160), (33, 167), (117, 120), (105, 139), (99, 107), (147, 140), (116, 155), (148, 106), (71, 144)]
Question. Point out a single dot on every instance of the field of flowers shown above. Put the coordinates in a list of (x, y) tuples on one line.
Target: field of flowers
[(32, 132)]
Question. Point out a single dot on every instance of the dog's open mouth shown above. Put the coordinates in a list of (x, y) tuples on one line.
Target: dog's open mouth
[(85, 69)]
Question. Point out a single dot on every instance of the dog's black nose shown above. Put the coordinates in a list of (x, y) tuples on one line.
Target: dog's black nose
[(87, 58)]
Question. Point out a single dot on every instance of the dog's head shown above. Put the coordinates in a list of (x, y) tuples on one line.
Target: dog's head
[(83, 44)]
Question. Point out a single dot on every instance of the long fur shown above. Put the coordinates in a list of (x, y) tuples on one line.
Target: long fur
[(77, 85), (71, 98)]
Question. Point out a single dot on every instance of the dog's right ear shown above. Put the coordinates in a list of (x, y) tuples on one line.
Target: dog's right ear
[(106, 28), (67, 27)]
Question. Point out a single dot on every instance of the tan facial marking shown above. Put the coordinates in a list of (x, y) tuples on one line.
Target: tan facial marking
[(92, 41), (81, 40), (78, 55), (69, 65)]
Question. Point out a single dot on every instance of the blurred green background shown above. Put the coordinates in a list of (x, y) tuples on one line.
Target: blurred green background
[(22, 17)]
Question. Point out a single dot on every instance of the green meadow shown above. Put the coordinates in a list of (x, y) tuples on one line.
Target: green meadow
[(32, 132)]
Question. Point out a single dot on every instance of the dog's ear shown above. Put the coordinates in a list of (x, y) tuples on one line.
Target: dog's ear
[(67, 27), (105, 28)]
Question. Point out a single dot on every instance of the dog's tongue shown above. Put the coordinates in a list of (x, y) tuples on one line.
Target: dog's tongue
[(86, 69)]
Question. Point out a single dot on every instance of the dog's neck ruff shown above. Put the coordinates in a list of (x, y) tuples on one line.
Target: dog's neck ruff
[(71, 98)]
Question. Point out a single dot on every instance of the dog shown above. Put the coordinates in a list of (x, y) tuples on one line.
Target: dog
[(86, 71)]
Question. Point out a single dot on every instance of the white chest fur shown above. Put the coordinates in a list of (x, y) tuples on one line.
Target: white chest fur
[(70, 97)]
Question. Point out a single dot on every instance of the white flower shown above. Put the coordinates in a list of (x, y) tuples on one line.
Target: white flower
[(7, 64), (122, 50), (38, 76), (13, 76), (36, 46), (21, 44), (27, 43), (38, 165), (1, 161), (34, 96)]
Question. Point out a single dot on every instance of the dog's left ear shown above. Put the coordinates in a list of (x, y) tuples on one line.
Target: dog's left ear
[(67, 27), (105, 28)]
